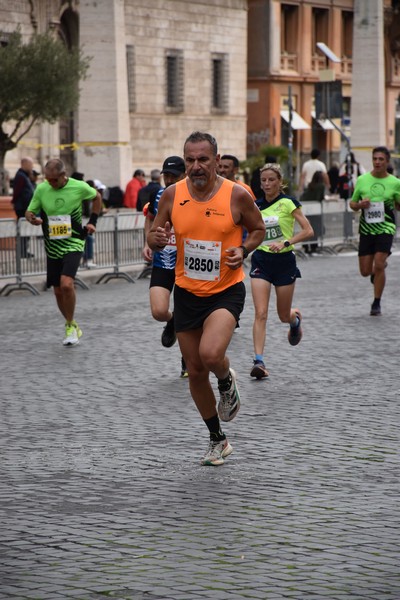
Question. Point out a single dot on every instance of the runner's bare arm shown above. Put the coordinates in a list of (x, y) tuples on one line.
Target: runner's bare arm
[(160, 231), (246, 213)]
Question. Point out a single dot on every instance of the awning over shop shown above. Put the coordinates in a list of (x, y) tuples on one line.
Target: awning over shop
[(324, 123), (297, 121)]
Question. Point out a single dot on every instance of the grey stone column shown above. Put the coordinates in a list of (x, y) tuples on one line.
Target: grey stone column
[(103, 118), (368, 111)]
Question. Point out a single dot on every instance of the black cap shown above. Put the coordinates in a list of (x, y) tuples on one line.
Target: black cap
[(174, 165)]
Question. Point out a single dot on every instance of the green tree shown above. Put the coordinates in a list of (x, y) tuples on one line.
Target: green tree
[(39, 81)]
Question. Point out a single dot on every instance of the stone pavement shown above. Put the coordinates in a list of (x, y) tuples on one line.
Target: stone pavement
[(102, 494)]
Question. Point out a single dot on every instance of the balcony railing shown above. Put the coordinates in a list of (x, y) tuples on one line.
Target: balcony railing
[(289, 62), (318, 63), (346, 66)]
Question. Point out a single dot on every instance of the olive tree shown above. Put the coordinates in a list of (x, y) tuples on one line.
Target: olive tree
[(39, 82)]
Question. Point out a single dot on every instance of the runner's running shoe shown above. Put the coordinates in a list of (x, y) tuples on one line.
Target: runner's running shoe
[(168, 337), (216, 453), (78, 329), (295, 333), (229, 403), (184, 371), (375, 310), (259, 371), (71, 335)]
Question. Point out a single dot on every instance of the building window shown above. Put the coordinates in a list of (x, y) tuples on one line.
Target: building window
[(289, 23), (289, 37), (4, 39), (174, 80), (320, 24), (130, 65), (219, 91), (347, 34)]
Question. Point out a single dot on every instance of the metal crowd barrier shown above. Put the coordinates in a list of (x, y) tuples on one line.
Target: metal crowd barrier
[(335, 226), (119, 240), (118, 243)]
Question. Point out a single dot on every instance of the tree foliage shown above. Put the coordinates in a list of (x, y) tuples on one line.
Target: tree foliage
[(280, 153), (39, 82)]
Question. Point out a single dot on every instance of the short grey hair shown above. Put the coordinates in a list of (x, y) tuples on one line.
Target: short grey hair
[(199, 136)]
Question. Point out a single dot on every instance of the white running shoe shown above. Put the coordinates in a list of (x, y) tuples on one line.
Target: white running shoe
[(71, 335), (229, 404), (216, 453)]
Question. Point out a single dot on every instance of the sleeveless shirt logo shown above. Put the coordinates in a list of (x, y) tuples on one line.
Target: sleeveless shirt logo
[(213, 212), (183, 203)]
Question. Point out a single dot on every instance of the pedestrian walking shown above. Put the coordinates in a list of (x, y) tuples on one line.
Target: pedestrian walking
[(23, 189), (274, 262), (377, 194), (207, 213), (309, 168)]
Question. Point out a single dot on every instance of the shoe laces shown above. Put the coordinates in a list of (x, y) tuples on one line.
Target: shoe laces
[(227, 395), (215, 448)]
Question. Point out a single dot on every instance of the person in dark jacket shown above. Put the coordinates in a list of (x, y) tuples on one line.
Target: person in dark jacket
[(23, 189), (149, 191)]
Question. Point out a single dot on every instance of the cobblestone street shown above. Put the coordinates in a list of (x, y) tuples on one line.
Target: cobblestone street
[(102, 493)]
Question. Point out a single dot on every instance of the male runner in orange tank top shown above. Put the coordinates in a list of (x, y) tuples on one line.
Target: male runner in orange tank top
[(208, 214)]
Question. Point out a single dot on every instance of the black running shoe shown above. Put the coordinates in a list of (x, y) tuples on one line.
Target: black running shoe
[(168, 337), (375, 310), (259, 371), (295, 333)]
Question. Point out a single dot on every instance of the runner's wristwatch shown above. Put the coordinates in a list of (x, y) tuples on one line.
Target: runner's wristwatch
[(245, 251), (286, 243)]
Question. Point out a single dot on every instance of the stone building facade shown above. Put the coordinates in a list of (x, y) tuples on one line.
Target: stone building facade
[(160, 69), (283, 54)]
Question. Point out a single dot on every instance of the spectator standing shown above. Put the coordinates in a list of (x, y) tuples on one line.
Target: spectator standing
[(309, 168), (349, 172), (23, 190), (333, 174), (137, 182), (149, 191), (34, 178), (315, 192), (377, 194), (88, 255)]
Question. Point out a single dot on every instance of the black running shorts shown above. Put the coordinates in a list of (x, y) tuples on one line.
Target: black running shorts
[(161, 277), (278, 269), (66, 265), (191, 311), (371, 244)]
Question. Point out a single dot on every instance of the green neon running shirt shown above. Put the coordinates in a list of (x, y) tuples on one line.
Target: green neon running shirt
[(62, 235), (278, 219), (383, 192)]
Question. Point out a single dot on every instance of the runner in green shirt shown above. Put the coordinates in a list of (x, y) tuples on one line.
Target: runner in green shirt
[(376, 194), (58, 201)]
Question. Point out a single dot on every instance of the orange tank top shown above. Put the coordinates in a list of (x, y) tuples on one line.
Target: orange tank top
[(204, 230)]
